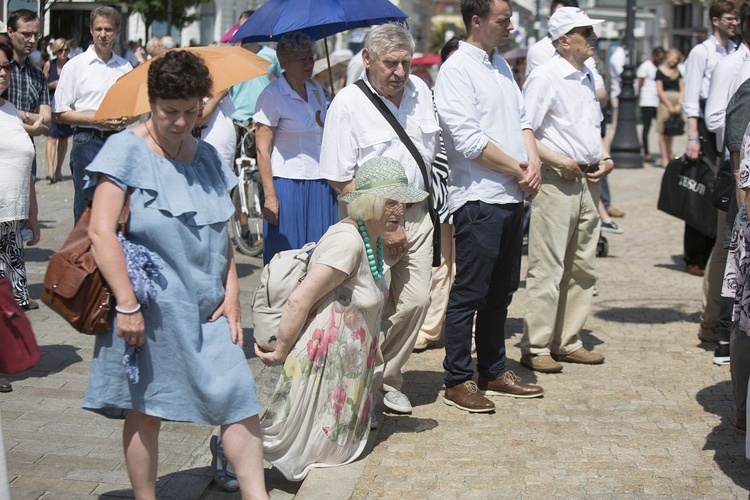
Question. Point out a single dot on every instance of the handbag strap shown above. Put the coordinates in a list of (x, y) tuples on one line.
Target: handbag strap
[(405, 139)]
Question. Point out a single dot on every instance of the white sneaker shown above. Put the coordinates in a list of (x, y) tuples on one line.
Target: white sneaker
[(397, 401)]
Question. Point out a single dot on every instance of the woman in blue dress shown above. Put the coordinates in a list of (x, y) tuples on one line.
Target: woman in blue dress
[(289, 114), (191, 365)]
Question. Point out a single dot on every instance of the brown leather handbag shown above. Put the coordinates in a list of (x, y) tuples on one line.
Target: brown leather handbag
[(73, 285)]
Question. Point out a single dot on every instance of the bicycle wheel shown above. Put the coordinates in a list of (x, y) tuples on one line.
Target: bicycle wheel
[(248, 237)]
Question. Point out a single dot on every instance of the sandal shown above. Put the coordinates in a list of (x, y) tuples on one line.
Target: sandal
[(219, 463), (50, 179)]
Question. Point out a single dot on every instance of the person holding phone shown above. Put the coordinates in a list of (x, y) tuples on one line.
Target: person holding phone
[(564, 113)]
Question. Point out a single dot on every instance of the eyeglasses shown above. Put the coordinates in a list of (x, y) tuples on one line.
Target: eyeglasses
[(7, 67), (730, 19), (28, 35), (584, 32)]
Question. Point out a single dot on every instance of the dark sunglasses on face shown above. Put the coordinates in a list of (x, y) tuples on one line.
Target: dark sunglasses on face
[(7, 67)]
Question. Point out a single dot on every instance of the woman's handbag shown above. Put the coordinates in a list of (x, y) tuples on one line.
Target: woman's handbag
[(18, 349), (674, 125), (687, 191), (73, 285)]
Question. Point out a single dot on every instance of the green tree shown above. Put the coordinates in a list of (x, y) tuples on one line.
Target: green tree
[(437, 35), (157, 10)]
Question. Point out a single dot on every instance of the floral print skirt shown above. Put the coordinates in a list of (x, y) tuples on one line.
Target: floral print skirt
[(319, 415)]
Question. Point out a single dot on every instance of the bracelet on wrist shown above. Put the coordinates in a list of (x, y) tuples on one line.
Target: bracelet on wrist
[(692, 139), (128, 311), (607, 158)]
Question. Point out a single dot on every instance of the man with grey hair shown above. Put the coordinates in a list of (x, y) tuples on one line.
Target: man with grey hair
[(356, 130), (80, 91)]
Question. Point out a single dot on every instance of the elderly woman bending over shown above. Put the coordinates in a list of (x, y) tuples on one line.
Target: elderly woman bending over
[(289, 114), (189, 364)]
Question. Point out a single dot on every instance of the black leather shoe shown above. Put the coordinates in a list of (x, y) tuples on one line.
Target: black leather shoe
[(5, 385)]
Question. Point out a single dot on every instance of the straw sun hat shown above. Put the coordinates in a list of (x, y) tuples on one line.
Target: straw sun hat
[(384, 177)]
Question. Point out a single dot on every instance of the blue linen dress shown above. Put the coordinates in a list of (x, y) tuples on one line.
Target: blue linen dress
[(189, 368)]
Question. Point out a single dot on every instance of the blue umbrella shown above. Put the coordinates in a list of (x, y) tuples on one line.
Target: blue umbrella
[(317, 18)]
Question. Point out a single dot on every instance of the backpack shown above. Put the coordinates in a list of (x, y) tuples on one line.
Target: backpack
[(278, 280)]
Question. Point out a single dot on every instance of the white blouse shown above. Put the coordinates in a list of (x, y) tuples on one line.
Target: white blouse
[(15, 165), (299, 128)]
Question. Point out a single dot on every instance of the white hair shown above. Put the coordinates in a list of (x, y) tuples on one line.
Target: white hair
[(366, 206), (389, 36)]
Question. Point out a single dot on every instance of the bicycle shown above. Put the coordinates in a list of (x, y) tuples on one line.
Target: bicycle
[(247, 220)]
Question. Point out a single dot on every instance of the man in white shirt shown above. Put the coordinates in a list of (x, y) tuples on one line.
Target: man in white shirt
[(648, 97), (563, 111), (356, 131), (494, 165), (542, 51), (82, 86), (699, 67)]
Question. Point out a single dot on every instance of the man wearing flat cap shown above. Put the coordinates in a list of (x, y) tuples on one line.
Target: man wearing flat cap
[(565, 115)]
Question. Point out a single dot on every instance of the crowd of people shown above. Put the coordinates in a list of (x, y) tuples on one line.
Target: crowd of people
[(392, 179)]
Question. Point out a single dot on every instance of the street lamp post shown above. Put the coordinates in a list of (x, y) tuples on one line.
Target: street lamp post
[(625, 148)]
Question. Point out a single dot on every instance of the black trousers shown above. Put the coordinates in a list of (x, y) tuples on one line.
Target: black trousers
[(648, 114)]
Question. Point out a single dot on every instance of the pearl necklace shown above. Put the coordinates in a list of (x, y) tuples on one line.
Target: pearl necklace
[(375, 268)]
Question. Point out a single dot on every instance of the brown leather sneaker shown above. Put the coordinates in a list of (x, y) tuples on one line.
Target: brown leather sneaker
[(508, 384), (466, 397), (541, 363), (582, 355)]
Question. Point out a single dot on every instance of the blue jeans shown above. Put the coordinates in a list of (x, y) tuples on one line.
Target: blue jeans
[(488, 267), (85, 148)]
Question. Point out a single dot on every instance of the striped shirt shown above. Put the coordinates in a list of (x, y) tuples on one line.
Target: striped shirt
[(27, 89)]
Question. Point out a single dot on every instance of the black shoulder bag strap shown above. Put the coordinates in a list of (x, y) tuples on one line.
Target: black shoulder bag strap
[(409, 144)]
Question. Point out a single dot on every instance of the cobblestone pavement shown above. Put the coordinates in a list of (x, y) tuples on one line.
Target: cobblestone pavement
[(656, 420)]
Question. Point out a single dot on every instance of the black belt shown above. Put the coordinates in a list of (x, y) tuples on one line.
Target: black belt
[(585, 167), (101, 134)]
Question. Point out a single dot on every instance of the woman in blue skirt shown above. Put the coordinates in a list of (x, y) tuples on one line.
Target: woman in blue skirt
[(289, 114)]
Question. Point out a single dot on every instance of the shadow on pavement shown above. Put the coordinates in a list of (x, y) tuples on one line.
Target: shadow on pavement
[(678, 264), (55, 358), (34, 254), (646, 315), (244, 269), (728, 445), (422, 387), (394, 424)]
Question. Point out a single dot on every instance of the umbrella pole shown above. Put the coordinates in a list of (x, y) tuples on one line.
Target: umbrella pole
[(328, 60)]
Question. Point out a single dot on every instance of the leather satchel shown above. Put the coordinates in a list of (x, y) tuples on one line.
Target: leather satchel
[(18, 349), (412, 148), (74, 287)]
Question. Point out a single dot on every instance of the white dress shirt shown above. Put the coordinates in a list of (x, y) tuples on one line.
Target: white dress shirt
[(543, 50), (478, 101), (699, 65), (296, 142), (219, 131), (355, 131), (723, 85), (85, 80), (615, 66), (648, 95), (563, 110)]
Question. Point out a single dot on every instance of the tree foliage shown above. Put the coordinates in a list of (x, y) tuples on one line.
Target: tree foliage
[(156, 10)]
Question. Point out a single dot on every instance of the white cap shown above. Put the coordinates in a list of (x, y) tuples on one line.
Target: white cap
[(566, 18)]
